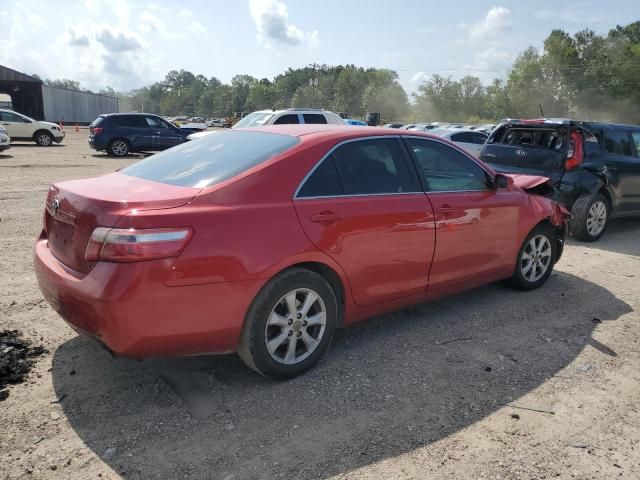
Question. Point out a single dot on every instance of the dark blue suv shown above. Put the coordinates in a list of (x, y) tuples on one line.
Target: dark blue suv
[(119, 134)]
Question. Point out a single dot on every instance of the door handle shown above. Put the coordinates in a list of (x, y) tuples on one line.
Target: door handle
[(325, 217), (446, 208)]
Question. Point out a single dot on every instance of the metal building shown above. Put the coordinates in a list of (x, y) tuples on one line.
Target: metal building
[(31, 97)]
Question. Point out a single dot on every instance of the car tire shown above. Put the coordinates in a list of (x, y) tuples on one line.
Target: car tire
[(280, 343), (43, 138), (589, 217), (118, 147), (536, 258)]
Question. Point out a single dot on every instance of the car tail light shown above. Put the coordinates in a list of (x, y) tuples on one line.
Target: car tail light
[(136, 245), (575, 153), (96, 130)]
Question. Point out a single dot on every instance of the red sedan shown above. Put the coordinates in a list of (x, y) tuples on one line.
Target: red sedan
[(264, 241)]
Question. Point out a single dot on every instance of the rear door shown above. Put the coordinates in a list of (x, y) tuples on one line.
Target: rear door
[(363, 206), (623, 162), (476, 226), (136, 130), (527, 149)]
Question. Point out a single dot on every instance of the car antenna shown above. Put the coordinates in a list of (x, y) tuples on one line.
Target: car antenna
[(541, 112)]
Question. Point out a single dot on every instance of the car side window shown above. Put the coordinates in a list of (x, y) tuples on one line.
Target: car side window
[(445, 169), (135, 121), (617, 142), (10, 117), (478, 138), (374, 166), (636, 140), (314, 118), (323, 182), (154, 122), (287, 119)]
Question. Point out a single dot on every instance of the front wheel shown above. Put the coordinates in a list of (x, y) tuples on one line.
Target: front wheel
[(289, 325), (44, 139), (536, 258), (589, 217)]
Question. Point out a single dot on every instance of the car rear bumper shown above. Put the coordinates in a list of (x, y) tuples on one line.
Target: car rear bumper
[(129, 309), (97, 143)]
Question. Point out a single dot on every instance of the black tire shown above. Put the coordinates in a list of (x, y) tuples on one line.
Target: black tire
[(118, 147), (43, 138), (522, 278), (256, 332), (583, 217)]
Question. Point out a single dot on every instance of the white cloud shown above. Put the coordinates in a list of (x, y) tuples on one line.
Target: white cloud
[(495, 22), (78, 39), (419, 77), (118, 42), (272, 23)]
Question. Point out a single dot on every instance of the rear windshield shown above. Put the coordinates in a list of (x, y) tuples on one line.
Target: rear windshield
[(551, 139), (254, 119), (211, 159)]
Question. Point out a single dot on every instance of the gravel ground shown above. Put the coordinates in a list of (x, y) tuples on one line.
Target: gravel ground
[(492, 383)]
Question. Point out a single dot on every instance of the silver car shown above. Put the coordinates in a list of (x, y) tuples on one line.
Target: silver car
[(471, 140)]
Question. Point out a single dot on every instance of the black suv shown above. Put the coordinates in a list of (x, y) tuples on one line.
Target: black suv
[(121, 133), (594, 167)]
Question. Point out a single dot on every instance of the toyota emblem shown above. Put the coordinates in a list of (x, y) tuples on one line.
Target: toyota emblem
[(55, 206)]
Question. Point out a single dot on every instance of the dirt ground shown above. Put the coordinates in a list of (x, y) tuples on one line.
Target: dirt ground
[(416, 394)]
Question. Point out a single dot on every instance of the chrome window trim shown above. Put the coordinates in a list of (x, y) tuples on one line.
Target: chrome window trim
[(331, 150), (400, 137)]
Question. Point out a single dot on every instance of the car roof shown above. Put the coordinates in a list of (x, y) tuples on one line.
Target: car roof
[(338, 132)]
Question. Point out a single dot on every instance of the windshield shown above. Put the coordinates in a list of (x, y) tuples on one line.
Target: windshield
[(254, 119), (212, 159)]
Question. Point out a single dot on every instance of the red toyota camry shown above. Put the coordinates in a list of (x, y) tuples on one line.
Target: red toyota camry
[(264, 241)]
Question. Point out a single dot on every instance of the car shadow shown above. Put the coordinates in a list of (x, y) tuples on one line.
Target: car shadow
[(621, 237), (387, 386), (34, 145)]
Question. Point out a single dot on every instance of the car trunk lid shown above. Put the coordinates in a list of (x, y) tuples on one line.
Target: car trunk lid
[(75, 208)]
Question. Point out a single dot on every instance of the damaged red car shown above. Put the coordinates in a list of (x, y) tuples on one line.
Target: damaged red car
[(264, 241)]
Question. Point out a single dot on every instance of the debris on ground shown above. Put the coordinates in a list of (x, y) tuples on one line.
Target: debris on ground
[(16, 359)]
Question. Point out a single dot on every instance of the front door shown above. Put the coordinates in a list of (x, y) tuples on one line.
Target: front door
[(164, 135), (364, 207), (17, 126), (476, 226)]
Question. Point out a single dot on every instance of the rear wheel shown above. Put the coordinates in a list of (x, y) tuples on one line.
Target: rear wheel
[(43, 138), (118, 147), (589, 217), (289, 325), (536, 258)]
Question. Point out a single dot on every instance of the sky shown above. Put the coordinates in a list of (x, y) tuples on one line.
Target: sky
[(128, 44)]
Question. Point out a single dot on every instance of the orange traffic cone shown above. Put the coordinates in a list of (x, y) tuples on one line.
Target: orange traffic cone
[(77, 128), (61, 126)]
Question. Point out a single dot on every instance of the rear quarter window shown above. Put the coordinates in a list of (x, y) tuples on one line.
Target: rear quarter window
[(212, 159)]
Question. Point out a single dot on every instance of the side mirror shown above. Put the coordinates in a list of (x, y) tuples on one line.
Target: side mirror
[(502, 182)]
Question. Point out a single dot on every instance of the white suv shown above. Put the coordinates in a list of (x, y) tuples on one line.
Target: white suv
[(282, 117), (292, 115), (22, 128)]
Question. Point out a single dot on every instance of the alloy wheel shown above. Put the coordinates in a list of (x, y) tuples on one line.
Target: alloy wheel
[(44, 140), (295, 326), (596, 218), (119, 148), (536, 258)]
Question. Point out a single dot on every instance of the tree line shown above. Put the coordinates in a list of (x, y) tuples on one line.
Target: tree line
[(585, 76)]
